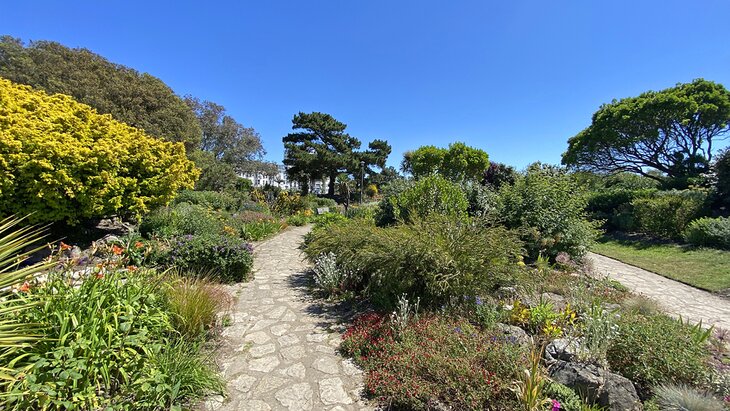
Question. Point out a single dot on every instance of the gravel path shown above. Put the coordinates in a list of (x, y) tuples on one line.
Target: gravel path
[(280, 351), (675, 297)]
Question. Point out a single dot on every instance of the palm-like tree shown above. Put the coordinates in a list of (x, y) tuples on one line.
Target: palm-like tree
[(14, 334)]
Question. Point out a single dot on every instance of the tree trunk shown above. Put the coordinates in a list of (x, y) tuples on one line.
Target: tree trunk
[(331, 188)]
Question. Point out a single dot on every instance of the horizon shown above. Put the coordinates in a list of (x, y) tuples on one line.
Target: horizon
[(514, 80)]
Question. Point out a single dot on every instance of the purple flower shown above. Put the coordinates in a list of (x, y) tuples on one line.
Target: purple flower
[(479, 301), (556, 405), (457, 330)]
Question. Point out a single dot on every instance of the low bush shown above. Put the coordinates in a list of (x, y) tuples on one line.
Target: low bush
[(228, 259), (182, 219), (709, 232), (313, 202), (105, 344), (216, 200), (657, 349), (288, 204), (328, 276), (613, 206), (672, 397), (668, 213), (548, 206), (428, 196), (436, 259), (568, 399), (435, 360)]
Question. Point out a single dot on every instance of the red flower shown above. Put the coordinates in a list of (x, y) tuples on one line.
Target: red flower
[(117, 250), (99, 276), (25, 287), (63, 246)]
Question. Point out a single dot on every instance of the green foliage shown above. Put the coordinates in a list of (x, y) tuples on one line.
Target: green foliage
[(215, 175), (228, 259), (435, 358), (670, 131), (228, 141), (721, 168), (182, 219), (657, 349), (104, 346), (62, 161), (14, 333), (313, 202), (288, 204), (709, 232), (215, 200), (568, 399), (134, 98), (328, 277), (435, 259), (457, 163), (498, 174), (614, 206), (668, 213), (298, 220), (548, 207), (194, 304), (427, 196)]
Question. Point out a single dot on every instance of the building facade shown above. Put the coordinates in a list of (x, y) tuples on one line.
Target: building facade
[(282, 181)]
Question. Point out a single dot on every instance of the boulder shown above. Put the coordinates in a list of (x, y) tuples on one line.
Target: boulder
[(597, 385), (562, 349), (513, 333)]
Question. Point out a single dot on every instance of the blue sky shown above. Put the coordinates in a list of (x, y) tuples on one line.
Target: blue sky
[(515, 78)]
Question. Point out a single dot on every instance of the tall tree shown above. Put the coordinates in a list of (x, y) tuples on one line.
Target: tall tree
[(138, 99), (321, 148), (227, 140), (671, 131), (458, 162)]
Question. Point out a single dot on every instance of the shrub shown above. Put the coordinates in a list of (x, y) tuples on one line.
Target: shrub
[(313, 202), (682, 397), (227, 258), (212, 199), (568, 399), (288, 204), (482, 199), (182, 219), (721, 167), (614, 207), (657, 349), (436, 259), (430, 195), (709, 232), (327, 275), (194, 304), (62, 161), (668, 213), (297, 220), (362, 212), (102, 344), (435, 360), (548, 207)]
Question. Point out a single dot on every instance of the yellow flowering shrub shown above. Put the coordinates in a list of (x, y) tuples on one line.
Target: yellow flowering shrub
[(62, 161)]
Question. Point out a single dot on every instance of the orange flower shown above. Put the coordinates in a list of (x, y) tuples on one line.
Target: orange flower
[(117, 250), (99, 276), (64, 246), (25, 287), (132, 268), (138, 244)]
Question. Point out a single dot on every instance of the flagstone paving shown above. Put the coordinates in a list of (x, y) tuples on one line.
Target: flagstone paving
[(280, 352), (675, 297)]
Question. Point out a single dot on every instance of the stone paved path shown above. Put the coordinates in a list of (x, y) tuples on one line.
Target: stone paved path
[(675, 297), (280, 351)]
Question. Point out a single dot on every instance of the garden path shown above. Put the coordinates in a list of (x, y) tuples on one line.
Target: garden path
[(675, 297), (279, 353)]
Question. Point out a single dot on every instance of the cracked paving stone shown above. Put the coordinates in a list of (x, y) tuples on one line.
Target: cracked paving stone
[(296, 397), (332, 392), (265, 364)]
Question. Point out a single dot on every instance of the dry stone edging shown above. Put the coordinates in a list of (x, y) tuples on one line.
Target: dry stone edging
[(279, 353), (674, 297)]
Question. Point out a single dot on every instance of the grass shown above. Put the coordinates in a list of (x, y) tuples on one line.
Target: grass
[(704, 268)]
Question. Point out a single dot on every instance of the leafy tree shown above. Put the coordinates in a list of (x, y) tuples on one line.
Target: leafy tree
[(459, 162), (225, 138), (721, 168), (62, 161), (498, 174), (321, 148), (138, 99), (669, 131)]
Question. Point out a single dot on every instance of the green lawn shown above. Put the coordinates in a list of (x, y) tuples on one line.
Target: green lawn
[(704, 268)]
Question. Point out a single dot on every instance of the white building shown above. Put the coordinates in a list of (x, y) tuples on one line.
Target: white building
[(282, 181)]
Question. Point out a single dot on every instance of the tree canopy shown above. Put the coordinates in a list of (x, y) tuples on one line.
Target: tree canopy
[(137, 99), (458, 162), (671, 131), (321, 148)]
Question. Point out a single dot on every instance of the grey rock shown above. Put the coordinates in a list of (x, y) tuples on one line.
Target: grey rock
[(504, 293), (513, 333), (597, 385), (562, 349)]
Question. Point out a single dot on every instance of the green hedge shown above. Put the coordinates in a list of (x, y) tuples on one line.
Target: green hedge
[(709, 232)]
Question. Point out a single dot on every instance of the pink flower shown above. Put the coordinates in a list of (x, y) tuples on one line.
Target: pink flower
[(556, 405)]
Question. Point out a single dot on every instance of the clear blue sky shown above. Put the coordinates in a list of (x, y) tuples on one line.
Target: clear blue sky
[(516, 78)]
